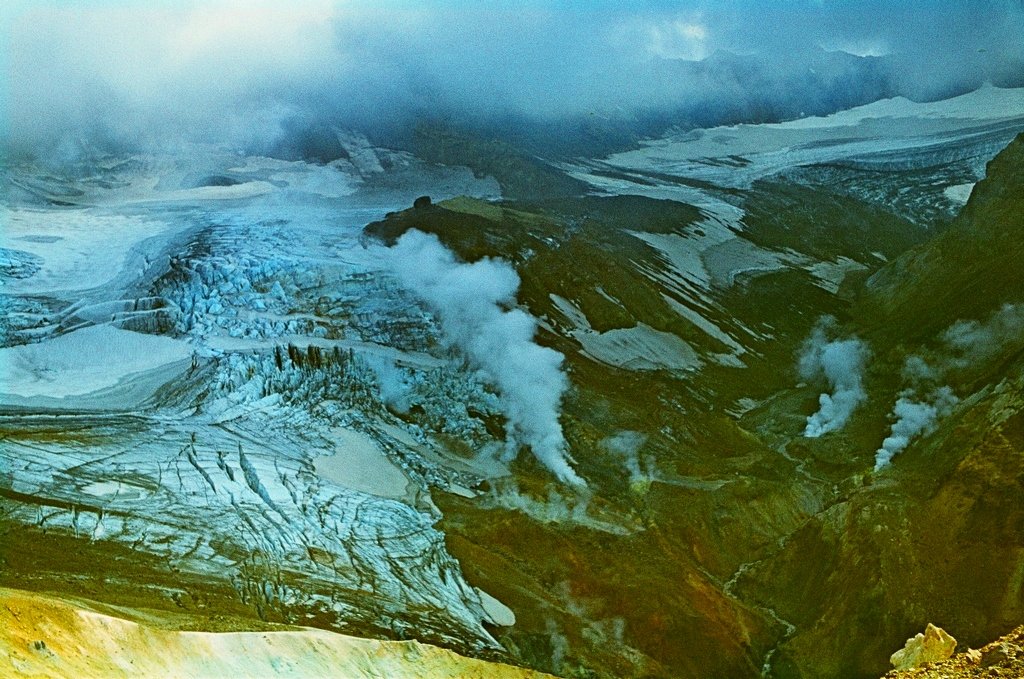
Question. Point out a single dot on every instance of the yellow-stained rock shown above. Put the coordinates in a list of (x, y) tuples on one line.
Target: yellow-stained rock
[(932, 646), (43, 636)]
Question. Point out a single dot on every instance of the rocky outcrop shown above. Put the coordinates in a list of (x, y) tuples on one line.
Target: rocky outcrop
[(1004, 657), (965, 272), (934, 645)]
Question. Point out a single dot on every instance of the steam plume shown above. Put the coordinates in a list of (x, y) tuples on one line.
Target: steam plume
[(965, 345), (393, 383), (841, 364), (626, 445), (972, 342), (470, 302), (914, 417)]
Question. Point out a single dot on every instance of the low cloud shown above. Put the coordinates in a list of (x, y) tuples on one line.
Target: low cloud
[(250, 74), (393, 383), (972, 342)]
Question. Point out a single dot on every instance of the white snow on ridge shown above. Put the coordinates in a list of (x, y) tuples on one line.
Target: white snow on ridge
[(710, 255), (985, 103), (959, 193), (830, 275), (638, 348), (737, 155), (706, 326)]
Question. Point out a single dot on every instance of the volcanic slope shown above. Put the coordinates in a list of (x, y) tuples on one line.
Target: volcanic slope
[(702, 452), (43, 636), (937, 535), (310, 449)]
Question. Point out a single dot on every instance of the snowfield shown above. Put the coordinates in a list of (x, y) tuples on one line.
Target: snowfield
[(737, 155), (85, 361), (77, 249)]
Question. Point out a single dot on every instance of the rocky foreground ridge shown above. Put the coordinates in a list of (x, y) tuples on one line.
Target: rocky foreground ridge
[(1004, 657)]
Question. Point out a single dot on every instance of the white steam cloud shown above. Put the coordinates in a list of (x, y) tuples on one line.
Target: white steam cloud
[(914, 417), (965, 345), (841, 363), (472, 304), (392, 383), (971, 342)]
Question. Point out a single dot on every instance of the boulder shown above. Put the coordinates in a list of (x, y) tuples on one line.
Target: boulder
[(933, 646), (996, 654)]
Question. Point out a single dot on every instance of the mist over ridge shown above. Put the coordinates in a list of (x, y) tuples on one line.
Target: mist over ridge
[(259, 76)]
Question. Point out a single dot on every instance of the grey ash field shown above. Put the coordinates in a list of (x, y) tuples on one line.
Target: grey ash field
[(552, 417)]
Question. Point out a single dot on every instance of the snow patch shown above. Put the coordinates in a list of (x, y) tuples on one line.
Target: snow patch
[(638, 348), (734, 257), (84, 361), (114, 489), (708, 328), (204, 193), (959, 193), (360, 464), (78, 249), (830, 275), (499, 613)]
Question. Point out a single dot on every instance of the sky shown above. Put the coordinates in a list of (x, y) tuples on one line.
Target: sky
[(241, 73)]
